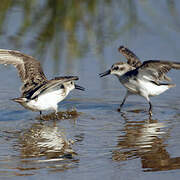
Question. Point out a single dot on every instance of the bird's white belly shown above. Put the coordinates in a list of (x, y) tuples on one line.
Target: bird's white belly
[(144, 87), (151, 89), (47, 101)]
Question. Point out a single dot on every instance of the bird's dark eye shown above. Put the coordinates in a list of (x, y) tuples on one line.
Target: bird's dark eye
[(62, 86), (116, 68), (71, 82)]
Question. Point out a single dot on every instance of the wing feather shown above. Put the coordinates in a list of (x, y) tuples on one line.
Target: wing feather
[(52, 84), (29, 69), (156, 69), (132, 59)]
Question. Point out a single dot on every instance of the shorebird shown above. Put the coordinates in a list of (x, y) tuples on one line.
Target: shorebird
[(145, 79), (38, 93)]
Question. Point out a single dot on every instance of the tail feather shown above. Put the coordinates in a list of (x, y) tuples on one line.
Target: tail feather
[(172, 85), (19, 100), (176, 65)]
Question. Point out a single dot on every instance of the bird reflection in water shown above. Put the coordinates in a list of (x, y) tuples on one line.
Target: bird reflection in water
[(45, 140), (145, 140)]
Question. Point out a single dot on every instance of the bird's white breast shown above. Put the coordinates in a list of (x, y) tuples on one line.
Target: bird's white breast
[(130, 84)]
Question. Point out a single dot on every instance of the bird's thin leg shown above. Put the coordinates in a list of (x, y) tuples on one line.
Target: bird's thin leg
[(121, 105), (56, 117), (150, 106), (40, 115), (150, 109), (56, 112)]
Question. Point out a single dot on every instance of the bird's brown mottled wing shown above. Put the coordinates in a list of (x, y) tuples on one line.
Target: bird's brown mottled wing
[(157, 69), (133, 60), (29, 69), (52, 84)]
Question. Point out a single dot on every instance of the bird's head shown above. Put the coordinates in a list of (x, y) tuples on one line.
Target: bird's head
[(70, 85), (117, 69)]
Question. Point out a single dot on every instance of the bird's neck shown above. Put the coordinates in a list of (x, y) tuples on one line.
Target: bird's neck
[(121, 76)]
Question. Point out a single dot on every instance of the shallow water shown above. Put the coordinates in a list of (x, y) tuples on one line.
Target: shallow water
[(99, 141)]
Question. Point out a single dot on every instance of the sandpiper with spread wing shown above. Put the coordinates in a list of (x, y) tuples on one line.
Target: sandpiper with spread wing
[(38, 93), (145, 79)]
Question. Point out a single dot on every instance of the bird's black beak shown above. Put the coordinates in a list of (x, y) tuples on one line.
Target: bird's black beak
[(105, 73), (79, 87)]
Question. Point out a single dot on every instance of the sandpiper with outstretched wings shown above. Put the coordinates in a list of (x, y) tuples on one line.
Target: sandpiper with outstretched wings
[(145, 79), (38, 93)]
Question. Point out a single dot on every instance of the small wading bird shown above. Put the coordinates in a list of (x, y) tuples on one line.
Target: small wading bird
[(38, 93), (145, 79)]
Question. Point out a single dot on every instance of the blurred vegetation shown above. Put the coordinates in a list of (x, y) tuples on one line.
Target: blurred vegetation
[(72, 25), (53, 24)]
